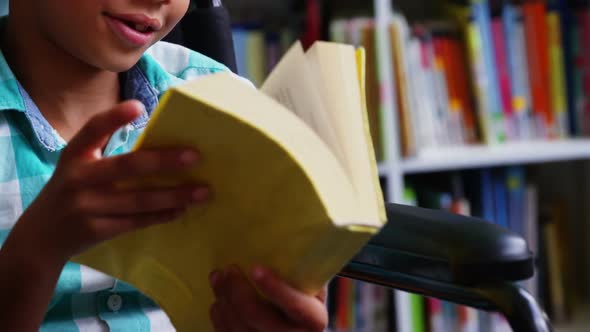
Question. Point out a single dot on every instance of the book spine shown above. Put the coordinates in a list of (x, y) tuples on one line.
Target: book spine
[(456, 101), (504, 80), (516, 49), (481, 13), (463, 81), (399, 33), (558, 83), (372, 91), (538, 60), (567, 34), (500, 199), (421, 94), (417, 309), (435, 315), (425, 96), (515, 183), (584, 68), (442, 93)]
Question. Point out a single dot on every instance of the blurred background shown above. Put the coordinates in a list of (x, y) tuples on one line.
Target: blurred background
[(476, 107)]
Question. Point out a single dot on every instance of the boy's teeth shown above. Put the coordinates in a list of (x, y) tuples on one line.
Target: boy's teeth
[(141, 27)]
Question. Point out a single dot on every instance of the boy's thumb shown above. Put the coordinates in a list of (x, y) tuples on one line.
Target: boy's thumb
[(95, 134)]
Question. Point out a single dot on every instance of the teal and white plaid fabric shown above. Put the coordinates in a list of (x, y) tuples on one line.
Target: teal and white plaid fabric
[(85, 300)]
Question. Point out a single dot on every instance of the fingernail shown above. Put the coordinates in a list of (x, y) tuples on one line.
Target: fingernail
[(142, 108), (258, 273), (189, 157), (200, 194)]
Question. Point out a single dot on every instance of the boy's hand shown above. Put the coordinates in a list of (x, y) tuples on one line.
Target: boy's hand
[(239, 307), (80, 206)]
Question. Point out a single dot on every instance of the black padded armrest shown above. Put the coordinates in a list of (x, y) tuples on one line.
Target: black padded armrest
[(445, 247)]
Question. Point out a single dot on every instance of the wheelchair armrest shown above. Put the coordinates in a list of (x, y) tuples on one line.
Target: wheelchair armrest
[(445, 247)]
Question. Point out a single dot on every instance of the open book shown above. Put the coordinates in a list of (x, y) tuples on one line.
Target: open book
[(293, 174)]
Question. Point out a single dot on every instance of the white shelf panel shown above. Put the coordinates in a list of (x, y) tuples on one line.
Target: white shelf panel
[(457, 158), (383, 169)]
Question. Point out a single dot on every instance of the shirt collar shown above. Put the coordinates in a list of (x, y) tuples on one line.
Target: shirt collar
[(13, 97)]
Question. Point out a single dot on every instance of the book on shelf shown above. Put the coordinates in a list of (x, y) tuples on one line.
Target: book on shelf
[(359, 306), (361, 32), (485, 72), (559, 290), (501, 195), (293, 174)]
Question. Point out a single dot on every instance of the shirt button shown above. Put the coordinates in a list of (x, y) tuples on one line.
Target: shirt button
[(115, 302)]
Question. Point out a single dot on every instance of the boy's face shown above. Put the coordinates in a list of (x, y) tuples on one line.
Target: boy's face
[(107, 34)]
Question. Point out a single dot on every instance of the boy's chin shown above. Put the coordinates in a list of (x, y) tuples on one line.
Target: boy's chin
[(119, 64)]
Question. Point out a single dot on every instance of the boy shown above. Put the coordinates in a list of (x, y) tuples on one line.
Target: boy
[(62, 64)]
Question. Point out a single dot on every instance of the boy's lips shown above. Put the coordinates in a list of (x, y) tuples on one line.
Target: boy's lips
[(133, 29)]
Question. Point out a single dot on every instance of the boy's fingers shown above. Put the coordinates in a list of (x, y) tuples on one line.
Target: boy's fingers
[(219, 318), (241, 295), (97, 131), (110, 227), (228, 320), (140, 201), (107, 171), (296, 305)]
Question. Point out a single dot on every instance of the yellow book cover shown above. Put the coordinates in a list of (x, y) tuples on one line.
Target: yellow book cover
[(294, 177)]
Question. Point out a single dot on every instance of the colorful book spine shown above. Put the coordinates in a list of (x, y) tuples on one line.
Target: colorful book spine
[(373, 95), (516, 185), (343, 317), (504, 79), (538, 61), (500, 198), (444, 96), (583, 61), (399, 31), (487, 195), (558, 83), (482, 16), (516, 50), (432, 127), (435, 315), (462, 80), (567, 34), (458, 88), (489, 113)]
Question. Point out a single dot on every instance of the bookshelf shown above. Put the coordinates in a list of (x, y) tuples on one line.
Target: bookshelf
[(482, 156), (397, 170)]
